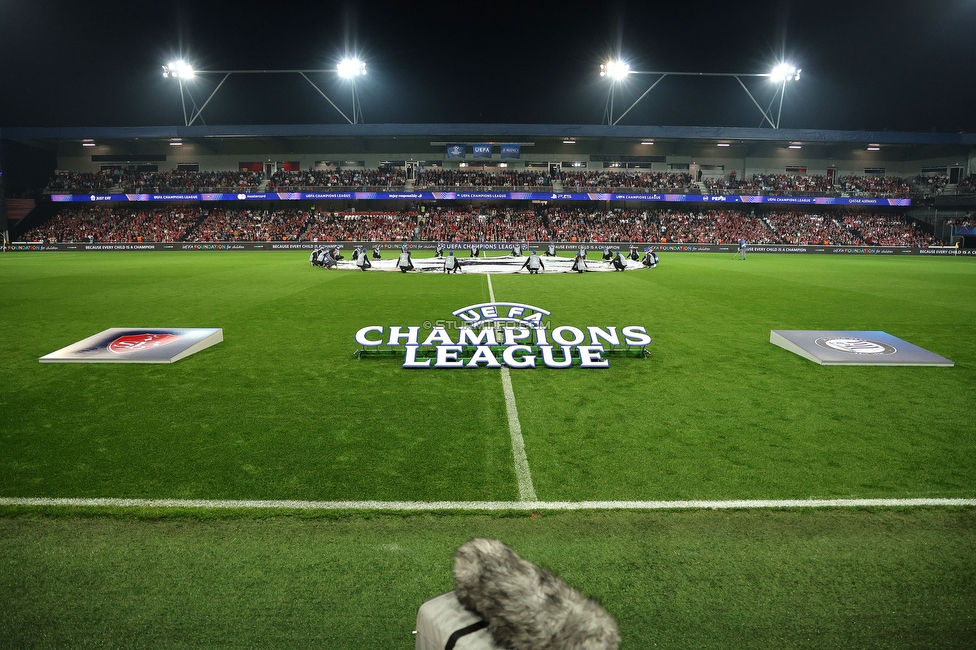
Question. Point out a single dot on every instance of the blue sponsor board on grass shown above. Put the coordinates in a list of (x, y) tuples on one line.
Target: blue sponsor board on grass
[(854, 348), (475, 195)]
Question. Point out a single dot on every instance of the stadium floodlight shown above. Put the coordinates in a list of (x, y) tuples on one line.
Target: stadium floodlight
[(785, 72), (182, 71), (618, 70), (348, 68), (179, 69)]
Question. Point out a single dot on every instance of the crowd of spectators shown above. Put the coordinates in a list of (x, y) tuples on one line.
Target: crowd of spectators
[(149, 182), (474, 178), (872, 229), (492, 224), (875, 186), (184, 181), (251, 225), (581, 224), (609, 179), (795, 184), (335, 178), (685, 225), (967, 185), (118, 225), (65, 181), (927, 184), (582, 181), (362, 226), (809, 228), (713, 227)]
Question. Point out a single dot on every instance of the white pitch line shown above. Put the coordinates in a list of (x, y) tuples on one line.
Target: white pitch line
[(742, 504), (522, 473)]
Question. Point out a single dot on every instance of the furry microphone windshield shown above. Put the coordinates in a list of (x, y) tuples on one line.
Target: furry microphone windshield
[(528, 608)]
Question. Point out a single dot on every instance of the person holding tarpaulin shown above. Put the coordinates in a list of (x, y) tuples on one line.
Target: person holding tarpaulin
[(404, 263), (327, 260), (534, 262), (362, 261), (618, 262), (650, 258), (451, 264), (579, 263)]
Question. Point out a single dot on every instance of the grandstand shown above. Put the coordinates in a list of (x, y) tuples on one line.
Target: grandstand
[(649, 185)]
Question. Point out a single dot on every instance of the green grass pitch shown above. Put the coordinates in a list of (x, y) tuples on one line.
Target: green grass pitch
[(282, 410)]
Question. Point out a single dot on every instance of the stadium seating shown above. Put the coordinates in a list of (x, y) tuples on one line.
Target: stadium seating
[(853, 227), (451, 179)]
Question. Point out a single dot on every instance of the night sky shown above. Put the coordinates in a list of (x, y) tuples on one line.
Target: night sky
[(879, 65)]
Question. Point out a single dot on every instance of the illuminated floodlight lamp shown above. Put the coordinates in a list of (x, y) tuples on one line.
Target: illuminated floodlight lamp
[(795, 145), (785, 72), (647, 142), (616, 70), (88, 142), (723, 144), (179, 69), (176, 142), (874, 147), (351, 68), (569, 141)]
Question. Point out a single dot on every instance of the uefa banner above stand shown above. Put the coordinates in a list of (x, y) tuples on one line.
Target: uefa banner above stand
[(482, 196), (463, 248)]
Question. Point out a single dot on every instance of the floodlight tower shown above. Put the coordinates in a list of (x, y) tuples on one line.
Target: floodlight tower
[(183, 71), (616, 71), (350, 69), (783, 73), (180, 70)]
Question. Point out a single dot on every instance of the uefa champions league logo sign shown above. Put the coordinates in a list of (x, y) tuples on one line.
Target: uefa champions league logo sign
[(498, 334)]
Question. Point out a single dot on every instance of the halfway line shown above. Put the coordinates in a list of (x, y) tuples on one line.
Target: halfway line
[(522, 473), (742, 504)]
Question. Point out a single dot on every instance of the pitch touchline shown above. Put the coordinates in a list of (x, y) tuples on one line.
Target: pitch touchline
[(522, 473), (482, 505)]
